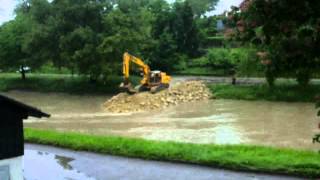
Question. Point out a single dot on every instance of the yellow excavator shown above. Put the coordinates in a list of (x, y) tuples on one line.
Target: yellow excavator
[(153, 81)]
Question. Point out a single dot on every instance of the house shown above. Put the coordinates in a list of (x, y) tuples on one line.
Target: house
[(12, 114), (220, 25)]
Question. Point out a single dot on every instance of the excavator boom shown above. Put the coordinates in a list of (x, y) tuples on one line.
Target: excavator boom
[(126, 66), (152, 80), (126, 63)]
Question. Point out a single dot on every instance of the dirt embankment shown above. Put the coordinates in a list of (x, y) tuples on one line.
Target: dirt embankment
[(180, 93)]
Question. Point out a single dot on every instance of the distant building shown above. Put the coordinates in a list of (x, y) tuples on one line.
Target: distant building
[(220, 25), (12, 114)]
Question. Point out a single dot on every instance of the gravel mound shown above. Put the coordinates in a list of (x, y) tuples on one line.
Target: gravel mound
[(180, 93)]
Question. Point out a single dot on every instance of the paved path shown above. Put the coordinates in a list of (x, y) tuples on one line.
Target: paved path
[(240, 80), (45, 162)]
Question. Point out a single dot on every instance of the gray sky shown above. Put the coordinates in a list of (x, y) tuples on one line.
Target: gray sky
[(225, 5), (7, 7)]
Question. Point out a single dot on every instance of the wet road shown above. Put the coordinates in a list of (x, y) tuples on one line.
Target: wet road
[(49, 163)]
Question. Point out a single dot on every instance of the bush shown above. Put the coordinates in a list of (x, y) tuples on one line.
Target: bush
[(241, 60), (303, 77), (49, 68), (289, 40), (216, 41), (219, 58), (181, 63), (246, 62)]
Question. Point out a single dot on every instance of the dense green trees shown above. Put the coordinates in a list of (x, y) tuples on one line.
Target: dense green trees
[(14, 45), (176, 35), (286, 31), (200, 7), (89, 37)]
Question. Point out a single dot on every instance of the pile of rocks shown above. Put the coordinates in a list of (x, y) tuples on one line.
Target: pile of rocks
[(180, 93)]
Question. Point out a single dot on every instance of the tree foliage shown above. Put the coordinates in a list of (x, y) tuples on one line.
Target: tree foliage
[(176, 34), (200, 7), (287, 33), (89, 37), (14, 52)]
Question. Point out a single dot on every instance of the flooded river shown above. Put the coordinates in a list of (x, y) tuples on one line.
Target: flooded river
[(216, 121)]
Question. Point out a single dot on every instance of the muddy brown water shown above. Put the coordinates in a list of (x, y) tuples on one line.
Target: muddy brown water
[(216, 121)]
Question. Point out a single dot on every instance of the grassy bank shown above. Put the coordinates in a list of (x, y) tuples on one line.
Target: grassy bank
[(58, 83), (281, 92), (201, 71), (245, 158)]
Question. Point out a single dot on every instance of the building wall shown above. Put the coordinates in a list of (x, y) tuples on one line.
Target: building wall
[(11, 133), (15, 167)]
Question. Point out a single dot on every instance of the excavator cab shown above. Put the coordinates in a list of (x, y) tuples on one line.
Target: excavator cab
[(158, 81), (155, 77)]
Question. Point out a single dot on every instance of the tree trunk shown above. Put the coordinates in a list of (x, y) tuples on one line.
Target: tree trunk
[(234, 80), (23, 73), (92, 79)]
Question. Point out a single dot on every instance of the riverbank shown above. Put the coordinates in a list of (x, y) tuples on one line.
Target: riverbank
[(235, 157), (58, 83), (280, 92), (247, 89)]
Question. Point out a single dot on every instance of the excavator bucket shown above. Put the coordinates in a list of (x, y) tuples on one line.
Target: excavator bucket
[(127, 88)]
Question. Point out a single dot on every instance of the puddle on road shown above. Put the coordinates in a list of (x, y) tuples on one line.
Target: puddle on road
[(218, 121), (56, 167)]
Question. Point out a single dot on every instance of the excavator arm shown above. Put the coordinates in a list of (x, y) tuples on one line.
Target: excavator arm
[(127, 58), (126, 85), (152, 80)]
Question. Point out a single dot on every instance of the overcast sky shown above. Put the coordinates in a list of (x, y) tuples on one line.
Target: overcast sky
[(7, 7)]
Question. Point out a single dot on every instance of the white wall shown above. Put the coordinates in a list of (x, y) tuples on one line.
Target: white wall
[(15, 167)]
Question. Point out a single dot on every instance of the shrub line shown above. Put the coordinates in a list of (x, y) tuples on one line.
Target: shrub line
[(280, 92)]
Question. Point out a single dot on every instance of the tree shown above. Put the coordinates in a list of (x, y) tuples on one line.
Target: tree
[(89, 37), (77, 28), (12, 39), (185, 30), (208, 26), (176, 35), (126, 31), (68, 33), (22, 37), (200, 7), (287, 33)]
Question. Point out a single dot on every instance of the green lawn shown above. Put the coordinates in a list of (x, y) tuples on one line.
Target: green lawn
[(281, 92), (59, 83), (201, 71), (233, 157)]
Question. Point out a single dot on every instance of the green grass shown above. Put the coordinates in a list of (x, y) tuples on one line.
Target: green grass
[(201, 71), (216, 38), (58, 83), (233, 157), (280, 92)]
